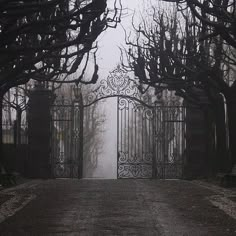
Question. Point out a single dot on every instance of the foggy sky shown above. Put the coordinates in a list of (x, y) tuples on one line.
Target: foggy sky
[(111, 39)]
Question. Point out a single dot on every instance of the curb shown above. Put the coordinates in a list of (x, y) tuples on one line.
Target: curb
[(215, 188), (26, 184)]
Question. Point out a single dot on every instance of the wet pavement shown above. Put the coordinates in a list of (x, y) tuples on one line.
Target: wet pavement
[(117, 207)]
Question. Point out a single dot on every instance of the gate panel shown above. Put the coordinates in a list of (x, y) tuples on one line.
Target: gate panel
[(169, 126), (135, 139), (65, 132), (151, 140)]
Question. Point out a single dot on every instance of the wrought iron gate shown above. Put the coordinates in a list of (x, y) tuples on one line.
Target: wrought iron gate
[(150, 131), (135, 139), (169, 141), (66, 133), (151, 141)]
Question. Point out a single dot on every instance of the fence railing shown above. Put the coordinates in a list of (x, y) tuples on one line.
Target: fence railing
[(13, 131)]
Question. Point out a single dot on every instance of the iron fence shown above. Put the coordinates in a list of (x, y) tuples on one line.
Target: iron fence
[(14, 131)]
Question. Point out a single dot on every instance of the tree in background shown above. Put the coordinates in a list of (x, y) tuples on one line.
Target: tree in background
[(93, 128), (14, 115)]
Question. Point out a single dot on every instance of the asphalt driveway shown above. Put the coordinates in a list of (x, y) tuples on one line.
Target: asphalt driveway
[(116, 207)]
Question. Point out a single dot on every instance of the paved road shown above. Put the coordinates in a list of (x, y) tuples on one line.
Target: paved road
[(116, 207)]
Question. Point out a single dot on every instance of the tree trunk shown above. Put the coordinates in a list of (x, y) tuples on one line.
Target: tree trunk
[(210, 142), (1, 133), (231, 113), (222, 157), (18, 126)]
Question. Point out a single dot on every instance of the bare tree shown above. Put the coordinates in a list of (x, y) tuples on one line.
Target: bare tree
[(48, 40), (217, 20), (15, 105), (217, 15), (166, 54)]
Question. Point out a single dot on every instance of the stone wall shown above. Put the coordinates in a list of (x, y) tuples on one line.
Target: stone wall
[(196, 164), (15, 158)]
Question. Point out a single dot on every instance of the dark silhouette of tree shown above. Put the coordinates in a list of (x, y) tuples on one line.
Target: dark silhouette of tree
[(217, 20), (167, 54), (47, 40), (217, 15)]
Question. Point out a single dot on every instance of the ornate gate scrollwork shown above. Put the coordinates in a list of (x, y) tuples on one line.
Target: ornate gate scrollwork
[(135, 143), (150, 133), (150, 140), (117, 84), (134, 123)]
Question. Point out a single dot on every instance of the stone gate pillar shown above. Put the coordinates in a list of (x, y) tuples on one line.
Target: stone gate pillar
[(196, 163), (38, 164), (199, 140)]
